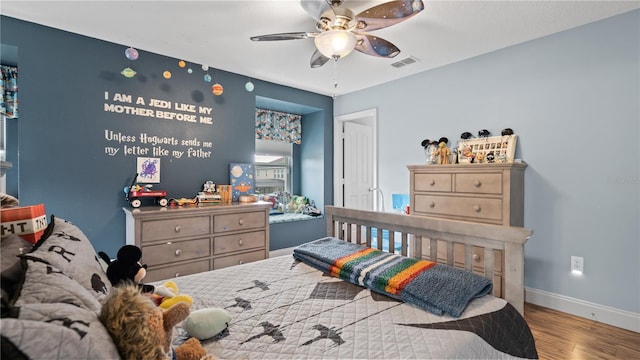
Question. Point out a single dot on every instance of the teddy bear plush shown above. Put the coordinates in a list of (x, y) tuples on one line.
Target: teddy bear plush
[(142, 330)]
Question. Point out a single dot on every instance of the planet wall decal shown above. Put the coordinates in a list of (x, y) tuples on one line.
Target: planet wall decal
[(217, 89), (131, 53), (128, 72)]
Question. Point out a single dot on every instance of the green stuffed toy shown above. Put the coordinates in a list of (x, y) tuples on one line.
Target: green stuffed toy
[(297, 203), (206, 323)]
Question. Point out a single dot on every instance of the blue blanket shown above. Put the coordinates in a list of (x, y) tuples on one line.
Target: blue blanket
[(440, 289)]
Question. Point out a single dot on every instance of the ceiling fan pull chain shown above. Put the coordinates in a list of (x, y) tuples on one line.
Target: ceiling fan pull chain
[(335, 72)]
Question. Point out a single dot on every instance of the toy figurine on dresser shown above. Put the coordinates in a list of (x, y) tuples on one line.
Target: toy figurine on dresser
[(430, 148), (443, 152), (208, 195)]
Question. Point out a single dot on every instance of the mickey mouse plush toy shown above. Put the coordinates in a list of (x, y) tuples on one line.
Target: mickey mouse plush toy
[(127, 267)]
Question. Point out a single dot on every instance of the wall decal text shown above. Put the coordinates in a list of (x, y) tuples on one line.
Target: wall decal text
[(120, 103)]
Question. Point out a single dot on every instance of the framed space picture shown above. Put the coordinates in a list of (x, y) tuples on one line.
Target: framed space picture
[(241, 179)]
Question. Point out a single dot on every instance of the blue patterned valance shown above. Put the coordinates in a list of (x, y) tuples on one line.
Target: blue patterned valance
[(278, 126), (9, 91)]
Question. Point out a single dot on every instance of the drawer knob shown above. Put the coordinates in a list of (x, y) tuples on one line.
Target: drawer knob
[(240, 262), (240, 242), (432, 182), (477, 183), (432, 204), (178, 252), (476, 208), (241, 221), (177, 274), (177, 228)]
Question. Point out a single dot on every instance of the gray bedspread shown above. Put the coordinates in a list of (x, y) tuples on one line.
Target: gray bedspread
[(284, 309)]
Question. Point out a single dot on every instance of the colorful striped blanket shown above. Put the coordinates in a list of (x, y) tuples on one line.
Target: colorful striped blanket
[(440, 289)]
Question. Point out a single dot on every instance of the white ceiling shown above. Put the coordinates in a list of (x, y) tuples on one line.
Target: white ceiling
[(216, 33)]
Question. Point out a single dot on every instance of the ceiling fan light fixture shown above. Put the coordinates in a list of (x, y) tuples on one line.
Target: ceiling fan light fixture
[(335, 43)]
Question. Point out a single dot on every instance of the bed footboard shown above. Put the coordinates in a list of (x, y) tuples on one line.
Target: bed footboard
[(493, 251)]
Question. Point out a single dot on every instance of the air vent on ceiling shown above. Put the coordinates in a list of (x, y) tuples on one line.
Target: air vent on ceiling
[(405, 61)]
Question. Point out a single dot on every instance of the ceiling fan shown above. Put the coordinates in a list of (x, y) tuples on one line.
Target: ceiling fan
[(340, 31)]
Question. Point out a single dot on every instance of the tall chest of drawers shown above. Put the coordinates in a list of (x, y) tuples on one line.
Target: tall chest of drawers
[(182, 241), (486, 193)]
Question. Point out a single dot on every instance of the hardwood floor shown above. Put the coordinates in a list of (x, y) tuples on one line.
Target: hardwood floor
[(563, 336)]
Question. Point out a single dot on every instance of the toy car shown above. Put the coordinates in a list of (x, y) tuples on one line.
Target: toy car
[(182, 202), (135, 192)]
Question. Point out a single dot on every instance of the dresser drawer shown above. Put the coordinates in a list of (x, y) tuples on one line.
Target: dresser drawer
[(478, 208), (240, 221), (172, 251), (479, 183), (168, 272), (486, 193), (238, 242), (223, 262), (432, 182), (153, 230)]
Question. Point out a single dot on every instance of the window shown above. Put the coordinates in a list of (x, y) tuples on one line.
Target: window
[(273, 161)]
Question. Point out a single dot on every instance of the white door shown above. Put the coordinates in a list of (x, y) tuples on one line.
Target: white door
[(355, 160), (358, 169)]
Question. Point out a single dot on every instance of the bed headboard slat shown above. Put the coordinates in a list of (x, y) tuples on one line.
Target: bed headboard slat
[(468, 257), (405, 244)]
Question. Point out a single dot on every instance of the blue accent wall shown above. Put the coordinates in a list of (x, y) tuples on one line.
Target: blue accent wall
[(72, 150), (12, 156), (305, 230)]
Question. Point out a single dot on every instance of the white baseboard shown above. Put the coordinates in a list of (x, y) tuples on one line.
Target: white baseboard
[(604, 314)]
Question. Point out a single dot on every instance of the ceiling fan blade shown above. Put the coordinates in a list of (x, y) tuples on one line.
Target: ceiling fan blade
[(317, 59), (375, 46), (282, 36), (387, 14), (315, 8)]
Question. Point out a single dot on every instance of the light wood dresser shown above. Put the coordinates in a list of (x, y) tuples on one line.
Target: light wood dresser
[(484, 193), (186, 240)]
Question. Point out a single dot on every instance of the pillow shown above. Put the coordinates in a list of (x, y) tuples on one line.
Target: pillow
[(54, 310), (64, 246), (10, 270), (45, 284), (10, 247), (7, 201), (56, 331)]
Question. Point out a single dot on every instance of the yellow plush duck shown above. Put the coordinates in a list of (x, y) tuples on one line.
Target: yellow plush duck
[(167, 295)]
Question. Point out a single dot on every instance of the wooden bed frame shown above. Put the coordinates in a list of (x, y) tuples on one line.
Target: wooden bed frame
[(502, 247)]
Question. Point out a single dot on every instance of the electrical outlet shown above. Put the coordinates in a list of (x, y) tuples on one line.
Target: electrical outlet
[(577, 264)]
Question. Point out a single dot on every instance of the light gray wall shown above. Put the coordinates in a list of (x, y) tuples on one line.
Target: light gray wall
[(573, 100)]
